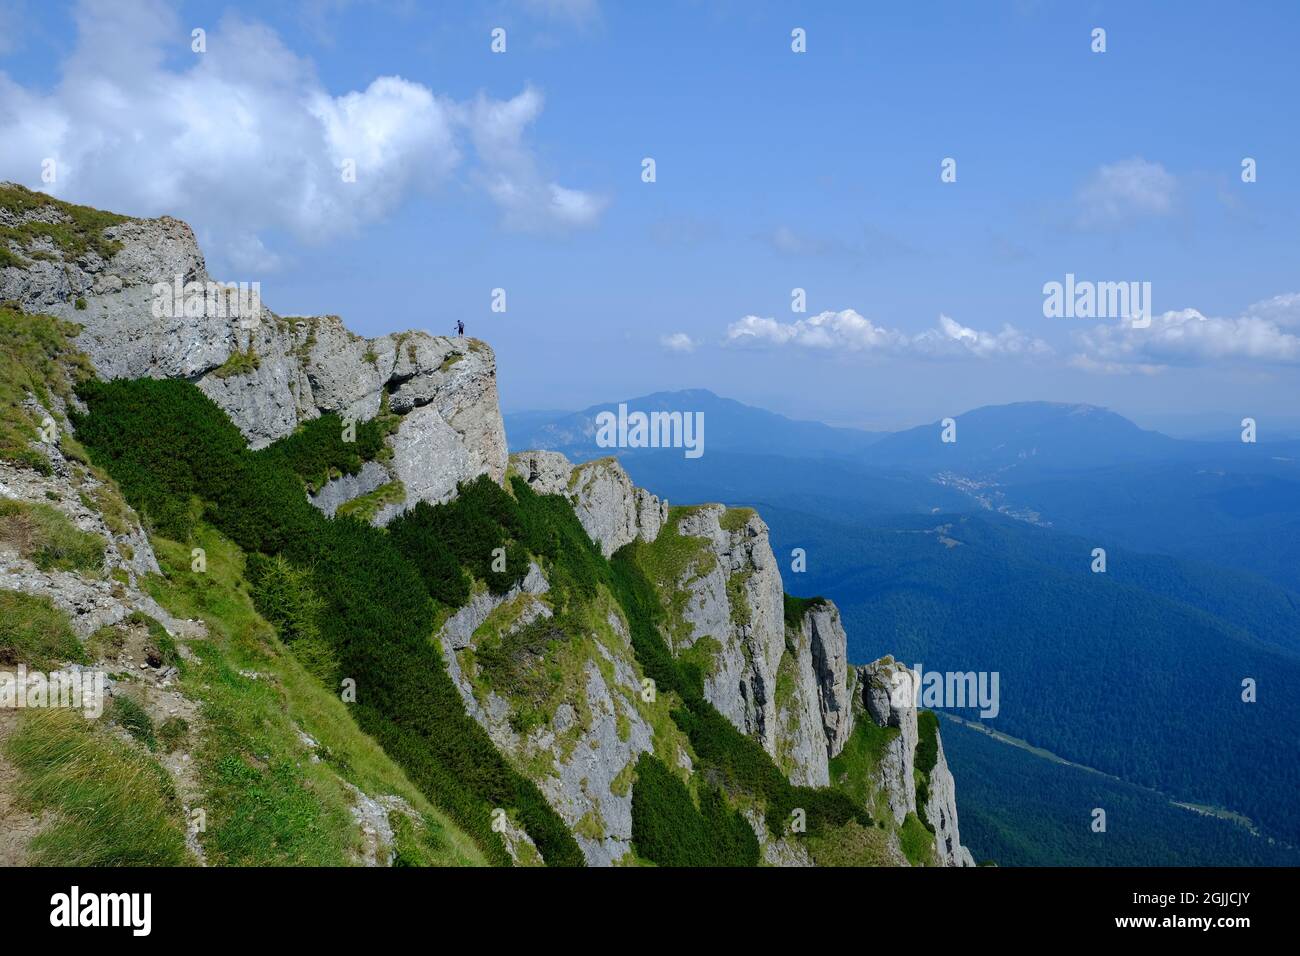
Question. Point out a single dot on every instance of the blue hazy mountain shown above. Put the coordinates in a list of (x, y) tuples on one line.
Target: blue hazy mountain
[(1000, 438), (730, 426)]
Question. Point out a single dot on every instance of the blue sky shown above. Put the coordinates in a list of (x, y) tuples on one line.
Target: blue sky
[(775, 170)]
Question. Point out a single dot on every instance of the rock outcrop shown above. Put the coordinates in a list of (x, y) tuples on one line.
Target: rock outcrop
[(268, 372), (887, 691), (886, 696), (814, 709), (786, 688), (941, 811), (613, 511)]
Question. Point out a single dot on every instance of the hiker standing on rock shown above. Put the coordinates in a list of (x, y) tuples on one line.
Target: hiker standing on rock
[(460, 328)]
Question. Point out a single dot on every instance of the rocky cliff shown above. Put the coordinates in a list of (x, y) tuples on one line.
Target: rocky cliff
[(775, 668), (268, 372)]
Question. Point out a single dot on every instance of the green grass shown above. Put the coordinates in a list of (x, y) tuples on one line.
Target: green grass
[(112, 804), (239, 363), (855, 769), (917, 841), (269, 802), (37, 359), (82, 231), (130, 716), (367, 506), (734, 519), (45, 536), (173, 733), (796, 608), (852, 845), (35, 632)]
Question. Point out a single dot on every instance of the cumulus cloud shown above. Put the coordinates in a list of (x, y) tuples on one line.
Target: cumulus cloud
[(678, 342), (244, 139), (1129, 189), (1282, 310), (848, 331), (1187, 337)]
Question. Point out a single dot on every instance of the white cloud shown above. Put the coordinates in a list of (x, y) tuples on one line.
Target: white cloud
[(510, 173), (848, 331), (678, 342), (1087, 363), (244, 139), (1283, 310), (1187, 337), (1126, 190)]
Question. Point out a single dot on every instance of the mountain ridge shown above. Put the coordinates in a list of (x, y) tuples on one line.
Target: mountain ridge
[(392, 450)]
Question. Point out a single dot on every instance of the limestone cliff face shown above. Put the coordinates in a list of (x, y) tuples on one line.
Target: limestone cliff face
[(941, 811), (814, 709), (612, 510), (269, 372), (887, 698)]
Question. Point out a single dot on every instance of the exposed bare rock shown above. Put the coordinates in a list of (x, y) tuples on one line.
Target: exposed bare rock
[(888, 698), (941, 811), (890, 706), (734, 600), (269, 373), (343, 489), (459, 629), (613, 511), (829, 646)]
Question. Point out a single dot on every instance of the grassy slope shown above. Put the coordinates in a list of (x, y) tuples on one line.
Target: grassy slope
[(279, 807), (81, 230)]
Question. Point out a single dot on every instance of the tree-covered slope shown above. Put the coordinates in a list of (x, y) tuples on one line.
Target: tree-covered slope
[(1137, 671)]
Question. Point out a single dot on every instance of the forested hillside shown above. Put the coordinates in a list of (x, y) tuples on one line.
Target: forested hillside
[(1136, 671)]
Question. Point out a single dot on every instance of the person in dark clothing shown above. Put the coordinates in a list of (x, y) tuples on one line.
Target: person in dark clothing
[(460, 328)]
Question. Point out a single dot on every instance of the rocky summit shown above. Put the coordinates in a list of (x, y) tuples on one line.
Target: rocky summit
[(311, 570)]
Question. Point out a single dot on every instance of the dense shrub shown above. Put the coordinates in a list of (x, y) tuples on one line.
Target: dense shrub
[(927, 755), (283, 593), (667, 829), (464, 533), (317, 451), (797, 607), (372, 598)]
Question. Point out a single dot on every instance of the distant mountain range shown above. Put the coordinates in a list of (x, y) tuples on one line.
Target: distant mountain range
[(991, 440), (731, 426), (1079, 468)]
